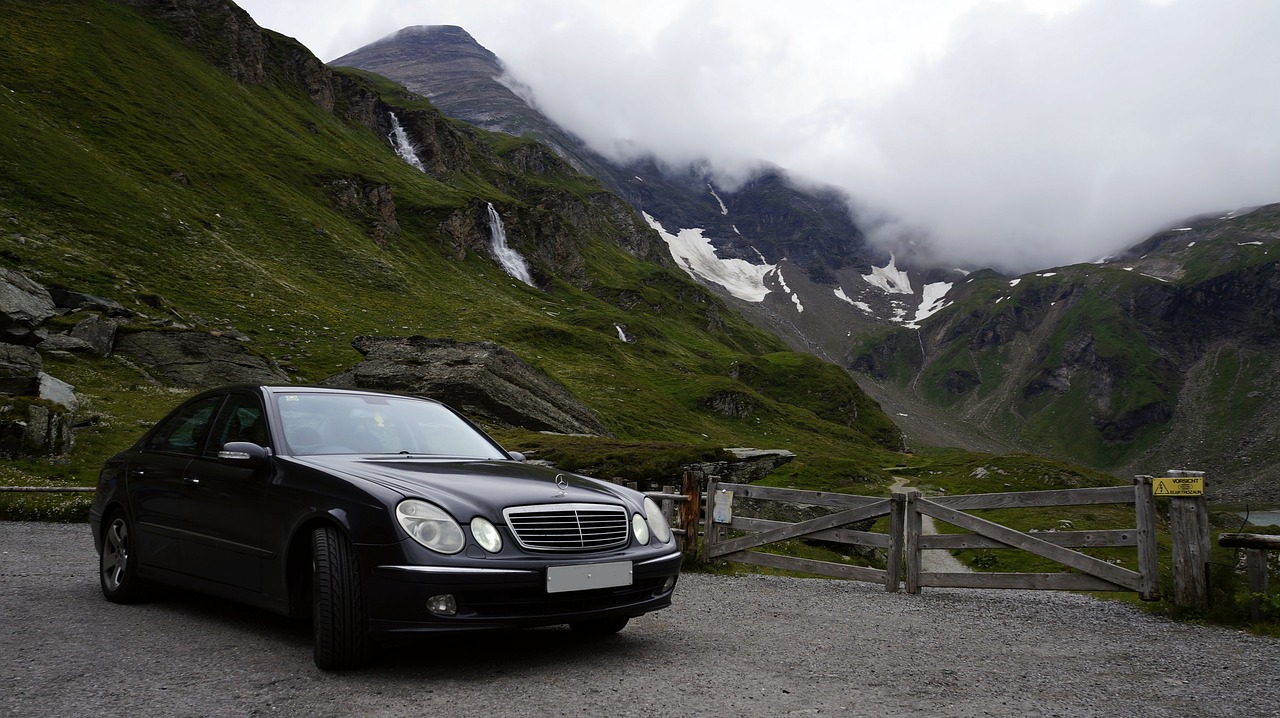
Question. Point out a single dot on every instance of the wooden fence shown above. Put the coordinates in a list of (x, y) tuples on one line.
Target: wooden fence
[(1093, 574), (730, 535), (721, 519)]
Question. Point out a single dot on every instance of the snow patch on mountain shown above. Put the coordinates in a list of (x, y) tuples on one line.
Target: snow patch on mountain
[(932, 300), (694, 253), (839, 292), (889, 278)]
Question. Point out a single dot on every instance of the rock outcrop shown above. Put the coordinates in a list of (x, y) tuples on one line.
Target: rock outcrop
[(480, 379), (24, 308), (197, 359)]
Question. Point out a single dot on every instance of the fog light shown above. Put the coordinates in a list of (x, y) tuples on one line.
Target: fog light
[(443, 605), (669, 584)]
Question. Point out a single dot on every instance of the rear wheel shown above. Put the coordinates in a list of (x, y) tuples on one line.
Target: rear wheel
[(338, 616), (600, 627), (117, 566)]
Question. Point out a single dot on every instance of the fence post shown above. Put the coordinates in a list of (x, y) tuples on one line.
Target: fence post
[(692, 490), (668, 508), (708, 512), (1189, 529), (1144, 503), (911, 542), (893, 566), (1256, 563)]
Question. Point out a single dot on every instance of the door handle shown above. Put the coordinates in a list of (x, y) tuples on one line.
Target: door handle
[(191, 479)]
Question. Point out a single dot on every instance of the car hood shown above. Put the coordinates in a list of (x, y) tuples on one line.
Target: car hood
[(470, 487)]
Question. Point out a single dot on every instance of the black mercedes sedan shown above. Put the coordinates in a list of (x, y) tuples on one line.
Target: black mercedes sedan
[(379, 516)]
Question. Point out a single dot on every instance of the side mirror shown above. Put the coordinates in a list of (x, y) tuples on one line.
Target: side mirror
[(244, 454), (516, 456)]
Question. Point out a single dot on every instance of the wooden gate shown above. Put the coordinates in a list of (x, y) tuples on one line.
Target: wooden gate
[(721, 519), (905, 537), (1093, 574)]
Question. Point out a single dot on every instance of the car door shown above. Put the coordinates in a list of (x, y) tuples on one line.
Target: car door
[(155, 474), (224, 507)]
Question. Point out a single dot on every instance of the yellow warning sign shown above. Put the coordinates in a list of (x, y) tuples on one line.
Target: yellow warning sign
[(1180, 486)]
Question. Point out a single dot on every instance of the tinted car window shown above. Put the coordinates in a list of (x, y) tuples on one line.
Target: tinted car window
[(241, 419), (185, 431), (346, 424)]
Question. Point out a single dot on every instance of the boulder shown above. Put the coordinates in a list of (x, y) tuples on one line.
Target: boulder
[(480, 379), (97, 332), (67, 299), (198, 360), (65, 343), (19, 370), (747, 465), (29, 429), (24, 308), (59, 392)]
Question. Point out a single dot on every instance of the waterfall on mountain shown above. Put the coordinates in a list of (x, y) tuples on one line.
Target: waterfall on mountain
[(403, 145), (509, 258)]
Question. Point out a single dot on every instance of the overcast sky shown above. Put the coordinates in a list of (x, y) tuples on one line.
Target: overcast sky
[(1015, 133)]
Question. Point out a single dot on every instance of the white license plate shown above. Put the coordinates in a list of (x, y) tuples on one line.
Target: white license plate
[(588, 576)]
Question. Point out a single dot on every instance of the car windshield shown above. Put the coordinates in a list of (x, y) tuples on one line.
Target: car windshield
[(370, 424)]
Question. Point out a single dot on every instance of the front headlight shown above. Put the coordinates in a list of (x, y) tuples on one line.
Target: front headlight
[(430, 526), (486, 534), (640, 528), (657, 522)]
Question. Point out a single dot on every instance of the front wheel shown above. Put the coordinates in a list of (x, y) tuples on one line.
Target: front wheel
[(340, 625), (601, 627), (117, 566)]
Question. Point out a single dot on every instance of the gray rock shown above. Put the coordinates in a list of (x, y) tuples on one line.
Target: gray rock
[(19, 370), (480, 379), (33, 430), (24, 307), (198, 360), (59, 392), (68, 299), (65, 343), (98, 332), (748, 465)]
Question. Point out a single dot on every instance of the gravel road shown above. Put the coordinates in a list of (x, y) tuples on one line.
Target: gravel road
[(740, 646)]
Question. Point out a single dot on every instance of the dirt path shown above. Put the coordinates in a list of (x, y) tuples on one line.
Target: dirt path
[(932, 561)]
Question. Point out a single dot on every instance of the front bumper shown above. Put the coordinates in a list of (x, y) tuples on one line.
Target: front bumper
[(509, 593)]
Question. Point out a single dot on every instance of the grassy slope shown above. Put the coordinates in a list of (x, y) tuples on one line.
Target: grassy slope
[(102, 111)]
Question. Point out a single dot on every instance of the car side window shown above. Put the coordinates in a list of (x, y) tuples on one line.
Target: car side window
[(185, 431), (241, 419)]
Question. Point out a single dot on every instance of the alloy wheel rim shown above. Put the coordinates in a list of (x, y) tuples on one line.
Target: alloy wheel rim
[(115, 554)]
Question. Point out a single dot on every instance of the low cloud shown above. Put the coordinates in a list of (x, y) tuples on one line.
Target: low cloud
[(1016, 134)]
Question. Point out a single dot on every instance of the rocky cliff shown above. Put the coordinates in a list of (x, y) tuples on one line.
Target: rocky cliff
[(1160, 359)]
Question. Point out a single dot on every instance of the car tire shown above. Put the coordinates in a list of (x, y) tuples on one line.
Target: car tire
[(338, 616), (117, 564), (600, 627)]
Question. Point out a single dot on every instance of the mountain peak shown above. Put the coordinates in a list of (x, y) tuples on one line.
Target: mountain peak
[(447, 45)]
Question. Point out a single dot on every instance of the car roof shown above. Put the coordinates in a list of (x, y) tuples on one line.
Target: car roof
[(273, 389)]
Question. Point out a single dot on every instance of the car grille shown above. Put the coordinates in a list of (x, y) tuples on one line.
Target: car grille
[(569, 527)]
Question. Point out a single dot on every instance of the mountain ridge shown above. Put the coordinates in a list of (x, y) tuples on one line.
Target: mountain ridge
[(1075, 362)]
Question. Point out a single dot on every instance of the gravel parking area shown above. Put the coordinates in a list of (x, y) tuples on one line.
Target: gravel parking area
[(730, 646)]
